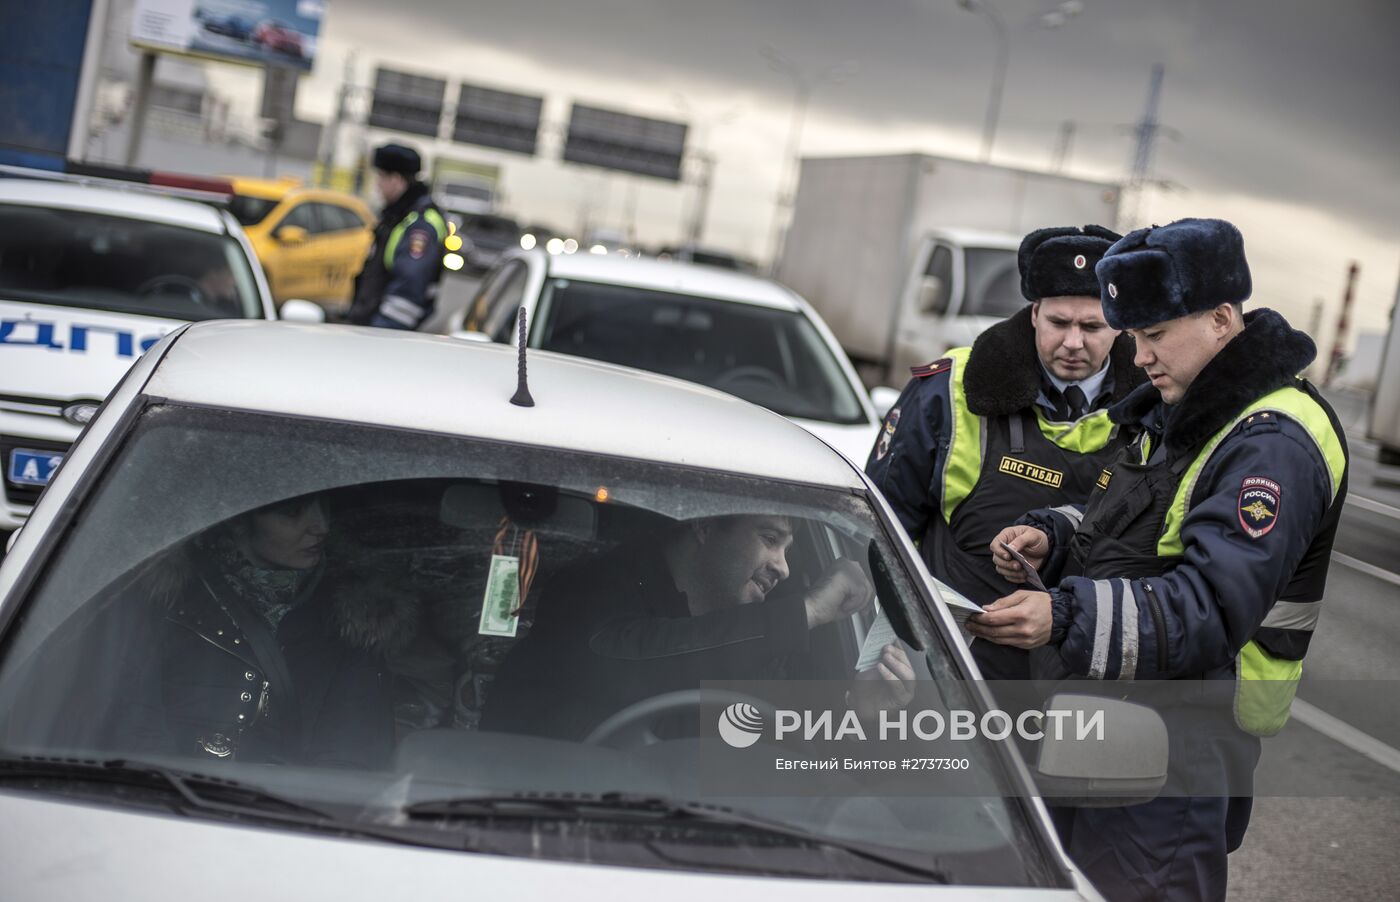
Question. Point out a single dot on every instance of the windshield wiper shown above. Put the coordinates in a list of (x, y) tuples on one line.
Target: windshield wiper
[(661, 809), (193, 793), (203, 792)]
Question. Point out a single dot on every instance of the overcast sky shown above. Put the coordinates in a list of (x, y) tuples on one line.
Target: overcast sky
[(1287, 111)]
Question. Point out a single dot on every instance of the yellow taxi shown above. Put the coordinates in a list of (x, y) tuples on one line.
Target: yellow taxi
[(310, 241)]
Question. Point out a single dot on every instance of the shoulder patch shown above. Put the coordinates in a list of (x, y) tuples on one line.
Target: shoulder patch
[(1260, 500), (417, 244), (941, 365)]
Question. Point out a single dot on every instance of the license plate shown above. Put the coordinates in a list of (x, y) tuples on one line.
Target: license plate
[(30, 467)]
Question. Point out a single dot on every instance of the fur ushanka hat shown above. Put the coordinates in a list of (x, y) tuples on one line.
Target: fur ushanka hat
[(1060, 262), (1166, 272)]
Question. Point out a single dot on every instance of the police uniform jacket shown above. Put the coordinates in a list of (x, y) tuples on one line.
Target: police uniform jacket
[(1230, 550), (397, 286), (962, 455)]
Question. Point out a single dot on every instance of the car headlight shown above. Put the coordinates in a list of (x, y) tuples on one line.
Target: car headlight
[(80, 414)]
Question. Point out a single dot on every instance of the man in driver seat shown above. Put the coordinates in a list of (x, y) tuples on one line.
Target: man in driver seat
[(660, 616)]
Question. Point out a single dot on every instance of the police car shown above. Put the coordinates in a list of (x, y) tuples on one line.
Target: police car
[(427, 517), (90, 278)]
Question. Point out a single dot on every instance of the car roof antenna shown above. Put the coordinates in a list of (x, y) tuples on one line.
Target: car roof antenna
[(522, 388)]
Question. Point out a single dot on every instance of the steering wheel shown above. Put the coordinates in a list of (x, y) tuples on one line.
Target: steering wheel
[(635, 725), (749, 373), (183, 284)]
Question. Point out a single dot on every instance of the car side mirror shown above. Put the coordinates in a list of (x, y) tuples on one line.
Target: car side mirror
[(932, 295), (299, 311), (882, 398), (1123, 764), (291, 235)]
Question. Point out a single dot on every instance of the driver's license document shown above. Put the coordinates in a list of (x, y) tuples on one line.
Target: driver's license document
[(880, 634), (959, 605), (499, 616)]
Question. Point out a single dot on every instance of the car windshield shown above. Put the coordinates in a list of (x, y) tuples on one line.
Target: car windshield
[(369, 621), (492, 230), (774, 358), (993, 282), (249, 211), (75, 258)]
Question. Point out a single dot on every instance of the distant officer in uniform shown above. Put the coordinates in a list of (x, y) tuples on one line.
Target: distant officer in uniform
[(1202, 553), (397, 287), (1013, 423)]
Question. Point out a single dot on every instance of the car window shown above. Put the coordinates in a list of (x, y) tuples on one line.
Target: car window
[(386, 618), (493, 309), (993, 282), (940, 268), (304, 216), (337, 218), (249, 211), (775, 358), (75, 258)]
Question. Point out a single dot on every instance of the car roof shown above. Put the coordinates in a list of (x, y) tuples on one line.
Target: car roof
[(445, 385), (979, 238), (669, 275), (132, 204), (281, 189), (267, 189)]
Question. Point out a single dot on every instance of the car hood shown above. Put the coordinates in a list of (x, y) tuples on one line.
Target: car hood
[(70, 353), (59, 850), (854, 442)]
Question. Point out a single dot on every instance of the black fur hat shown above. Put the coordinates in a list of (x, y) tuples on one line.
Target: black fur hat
[(1167, 272), (398, 158), (1060, 262)]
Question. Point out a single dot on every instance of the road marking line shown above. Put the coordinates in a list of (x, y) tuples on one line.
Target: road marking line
[(1342, 732), (1375, 507), (1347, 560)]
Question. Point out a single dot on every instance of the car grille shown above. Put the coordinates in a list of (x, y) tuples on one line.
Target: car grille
[(23, 494)]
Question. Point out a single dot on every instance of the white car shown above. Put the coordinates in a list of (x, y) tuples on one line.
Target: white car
[(254, 640), (90, 278), (737, 333)]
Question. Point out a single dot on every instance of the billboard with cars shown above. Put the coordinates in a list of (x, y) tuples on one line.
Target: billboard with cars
[(256, 32)]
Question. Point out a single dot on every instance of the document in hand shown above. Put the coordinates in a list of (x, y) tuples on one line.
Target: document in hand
[(880, 634), (958, 605)]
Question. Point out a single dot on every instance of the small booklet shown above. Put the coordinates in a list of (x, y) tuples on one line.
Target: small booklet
[(958, 604)]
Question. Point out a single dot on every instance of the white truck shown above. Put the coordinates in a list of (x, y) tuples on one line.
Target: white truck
[(908, 255)]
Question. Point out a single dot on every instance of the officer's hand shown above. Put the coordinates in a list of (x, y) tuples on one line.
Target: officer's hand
[(887, 686), (839, 592), (1021, 619), (1028, 540)]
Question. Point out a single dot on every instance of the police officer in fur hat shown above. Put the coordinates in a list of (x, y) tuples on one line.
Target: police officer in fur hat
[(397, 286), (1201, 555), (1015, 422)]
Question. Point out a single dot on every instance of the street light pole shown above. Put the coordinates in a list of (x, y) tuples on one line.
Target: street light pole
[(693, 221), (1067, 10), (989, 123), (803, 86)]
